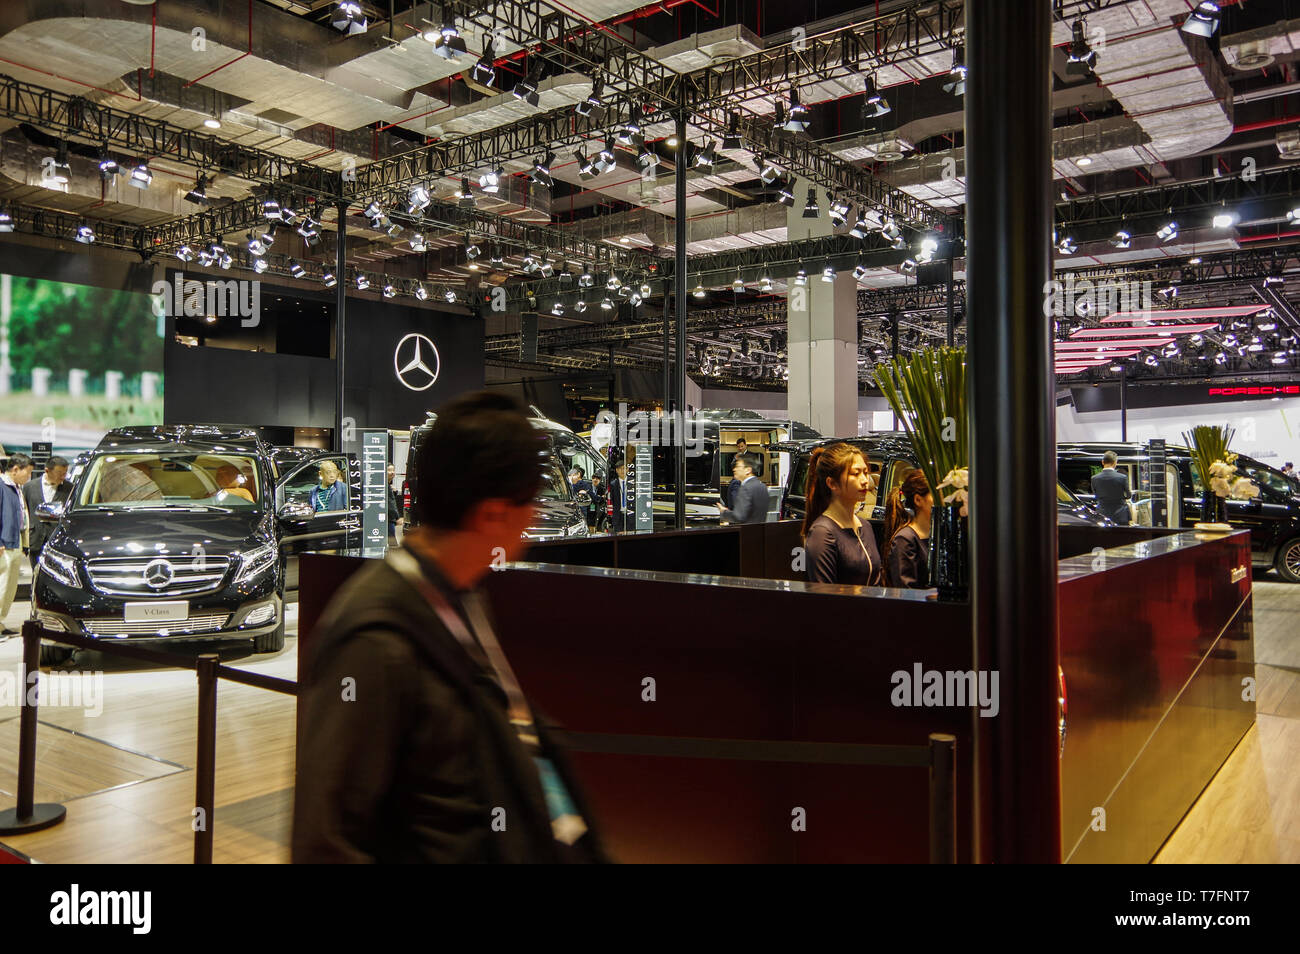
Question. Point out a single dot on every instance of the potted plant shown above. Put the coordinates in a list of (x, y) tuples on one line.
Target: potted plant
[(1217, 468), (928, 393)]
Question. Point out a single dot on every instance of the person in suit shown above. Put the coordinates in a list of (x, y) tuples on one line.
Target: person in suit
[(395, 516), (15, 523), (618, 495), (331, 493), (751, 499), (51, 488), (1111, 489), (578, 483)]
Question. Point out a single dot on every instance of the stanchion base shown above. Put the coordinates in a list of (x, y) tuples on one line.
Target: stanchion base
[(44, 815)]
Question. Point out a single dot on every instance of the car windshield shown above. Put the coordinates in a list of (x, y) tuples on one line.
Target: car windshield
[(554, 486), (1064, 496), (149, 481)]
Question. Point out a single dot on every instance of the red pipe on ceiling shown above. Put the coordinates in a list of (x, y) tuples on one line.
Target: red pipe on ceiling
[(1265, 123)]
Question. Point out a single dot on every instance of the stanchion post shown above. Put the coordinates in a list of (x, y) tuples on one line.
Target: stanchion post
[(205, 771), (28, 816), (943, 799)]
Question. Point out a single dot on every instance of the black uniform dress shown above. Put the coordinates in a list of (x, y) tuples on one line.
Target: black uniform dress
[(837, 555), (909, 559)]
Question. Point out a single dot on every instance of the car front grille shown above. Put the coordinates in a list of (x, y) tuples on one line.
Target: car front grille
[(198, 623), (125, 576)]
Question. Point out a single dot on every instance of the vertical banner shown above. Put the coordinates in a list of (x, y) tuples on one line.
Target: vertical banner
[(644, 487), (41, 452), (368, 453), (1155, 480)]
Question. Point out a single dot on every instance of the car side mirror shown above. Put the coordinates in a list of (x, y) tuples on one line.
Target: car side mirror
[(582, 498), (295, 514), (50, 512)]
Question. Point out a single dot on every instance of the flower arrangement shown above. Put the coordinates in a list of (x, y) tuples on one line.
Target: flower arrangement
[(959, 480), (1216, 464)]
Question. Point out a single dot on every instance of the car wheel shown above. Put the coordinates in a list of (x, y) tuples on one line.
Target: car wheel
[(52, 655), (271, 642), (1288, 560)]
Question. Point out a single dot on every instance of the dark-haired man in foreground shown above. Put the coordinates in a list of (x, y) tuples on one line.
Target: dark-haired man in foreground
[(417, 743)]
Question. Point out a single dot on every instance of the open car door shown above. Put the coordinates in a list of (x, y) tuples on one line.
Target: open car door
[(313, 517)]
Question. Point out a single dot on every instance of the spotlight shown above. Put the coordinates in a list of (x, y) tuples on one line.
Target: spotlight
[(613, 284), (810, 208), (557, 308), (605, 160), (260, 265), (732, 139), (496, 258), (184, 253), (828, 273), (418, 199), (362, 282), (801, 277), (580, 306), (929, 245), (738, 285), (957, 85), (448, 43), (1067, 245), (632, 128), (908, 267), (593, 100), (224, 259), (585, 280), (108, 166), (875, 105), (418, 243), (1225, 220), (259, 244), (861, 226), (471, 249), (839, 211), (529, 263), (767, 170), (1151, 361), (490, 181), (586, 169), (140, 175), (465, 195), (606, 304), (450, 296), (1081, 58), (212, 122), (765, 284), (859, 271), (199, 194), (328, 277), (797, 119), (706, 157), (421, 293), (485, 71), (61, 172), (541, 173), (646, 290), (388, 290), (699, 290), (1168, 292), (1168, 232), (1203, 21), (546, 269), (635, 299), (1121, 239), (85, 234), (310, 231), (645, 156), (526, 89), (1294, 215), (349, 18)]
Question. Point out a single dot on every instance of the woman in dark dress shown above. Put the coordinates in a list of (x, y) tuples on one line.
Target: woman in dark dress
[(907, 532), (839, 547)]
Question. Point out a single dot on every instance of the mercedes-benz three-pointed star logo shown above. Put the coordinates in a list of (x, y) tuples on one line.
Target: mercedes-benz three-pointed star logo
[(158, 574), (416, 362)]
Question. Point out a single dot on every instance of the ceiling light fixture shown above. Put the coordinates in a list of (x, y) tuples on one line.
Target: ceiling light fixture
[(1202, 21), (418, 199), (418, 243), (811, 209), (1121, 239), (1081, 58), (328, 277), (874, 105), (839, 210), (448, 43), (593, 100), (707, 157), (485, 70), (140, 175), (260, 265), (490, 181), (732, 139), (957, 85), (465, 196), (541, 173), (421, 293), (526, 88), (1168, 232), (296, 269), (348, 18), (85, 234), (199, 194)]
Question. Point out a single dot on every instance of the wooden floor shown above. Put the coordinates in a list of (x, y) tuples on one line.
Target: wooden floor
[(126, 774)]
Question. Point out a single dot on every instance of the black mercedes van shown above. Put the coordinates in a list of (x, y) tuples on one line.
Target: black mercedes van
[(181, 532)]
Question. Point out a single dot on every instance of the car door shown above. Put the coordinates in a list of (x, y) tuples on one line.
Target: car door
[(303, 525), (1266, 516)]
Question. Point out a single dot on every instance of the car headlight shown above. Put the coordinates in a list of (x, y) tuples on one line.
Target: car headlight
[(59, 566), (257, 561)]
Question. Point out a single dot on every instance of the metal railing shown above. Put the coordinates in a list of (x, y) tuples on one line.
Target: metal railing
[(28, 816)]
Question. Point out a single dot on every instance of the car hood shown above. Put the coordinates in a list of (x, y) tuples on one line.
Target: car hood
[(553, 518), (92, 533)]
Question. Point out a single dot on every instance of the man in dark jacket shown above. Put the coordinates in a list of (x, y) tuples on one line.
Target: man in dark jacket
[(417, 745), (1111, 489), (15, 523), (751, 500), (50, 487)]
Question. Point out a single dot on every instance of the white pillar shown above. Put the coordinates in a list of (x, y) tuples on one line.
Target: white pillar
[(41, 381), (148, 385), (823, 334), (77, 382), (112, 385)]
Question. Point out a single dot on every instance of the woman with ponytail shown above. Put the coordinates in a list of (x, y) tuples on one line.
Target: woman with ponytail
[(907, 532), (839, 547)]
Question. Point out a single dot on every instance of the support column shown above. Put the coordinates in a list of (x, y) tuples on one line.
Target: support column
[(1011, 389), (823, 334), (340, 315)]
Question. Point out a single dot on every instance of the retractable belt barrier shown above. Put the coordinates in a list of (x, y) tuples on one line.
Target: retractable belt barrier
[(28, 816), (939, 754)]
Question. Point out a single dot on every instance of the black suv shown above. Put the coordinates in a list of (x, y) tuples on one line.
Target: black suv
[(182, 533), (559, 515), (889, 454), (1273, 518)]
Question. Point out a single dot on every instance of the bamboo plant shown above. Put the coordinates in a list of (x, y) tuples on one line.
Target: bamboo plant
[(1215, 464), (928, 393)]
